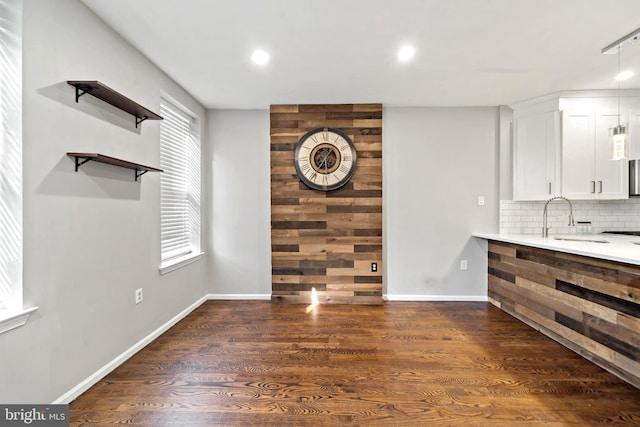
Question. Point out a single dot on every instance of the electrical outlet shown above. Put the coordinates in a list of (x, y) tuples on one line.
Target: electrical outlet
[(374, 267), (138, 296), (463, 264)]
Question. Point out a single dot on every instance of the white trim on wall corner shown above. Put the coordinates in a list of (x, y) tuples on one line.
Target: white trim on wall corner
[(239, 296), (452, 298), (106, 369)]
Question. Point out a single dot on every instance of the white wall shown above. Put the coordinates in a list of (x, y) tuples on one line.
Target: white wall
[(437, 161), (239, 157), (90, 238)]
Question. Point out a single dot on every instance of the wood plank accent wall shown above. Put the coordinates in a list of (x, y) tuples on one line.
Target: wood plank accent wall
[(326, 240), (591, 306)]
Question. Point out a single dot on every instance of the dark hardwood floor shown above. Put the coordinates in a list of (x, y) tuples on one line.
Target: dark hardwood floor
[(241, 363)]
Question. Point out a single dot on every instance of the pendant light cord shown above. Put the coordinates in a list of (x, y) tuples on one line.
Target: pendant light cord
[(618, 79)]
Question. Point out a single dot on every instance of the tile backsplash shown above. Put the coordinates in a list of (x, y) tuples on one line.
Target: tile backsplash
[(605, 215)]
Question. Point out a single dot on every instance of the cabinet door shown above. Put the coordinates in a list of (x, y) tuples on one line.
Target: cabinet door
[(634, 134), (535, 157), (611, 176), (578, 180)]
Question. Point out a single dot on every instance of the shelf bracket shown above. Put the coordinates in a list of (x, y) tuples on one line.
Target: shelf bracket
[(80, 163), (139, 173), (140, 120), (82, 91)]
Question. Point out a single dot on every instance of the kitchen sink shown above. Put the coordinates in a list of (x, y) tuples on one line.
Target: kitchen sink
[(576, 239)]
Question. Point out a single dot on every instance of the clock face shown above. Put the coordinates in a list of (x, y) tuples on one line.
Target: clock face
[(325, 159)]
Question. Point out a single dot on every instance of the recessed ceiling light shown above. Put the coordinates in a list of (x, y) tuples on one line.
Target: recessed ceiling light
[(406, 53), (260, 57), (625, 75)]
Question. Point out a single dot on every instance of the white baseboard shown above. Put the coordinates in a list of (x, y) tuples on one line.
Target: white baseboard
[(386, 297), (403, 297), (106, 369), (239, 296)]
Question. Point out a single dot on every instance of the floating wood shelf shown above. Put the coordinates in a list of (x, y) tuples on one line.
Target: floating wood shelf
[(110, 96), (82, 158)]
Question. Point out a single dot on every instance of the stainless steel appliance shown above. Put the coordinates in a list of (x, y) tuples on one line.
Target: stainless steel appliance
[(634, 177)]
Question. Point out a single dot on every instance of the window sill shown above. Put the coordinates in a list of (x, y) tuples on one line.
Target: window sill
[(14, 319), (176, 263)]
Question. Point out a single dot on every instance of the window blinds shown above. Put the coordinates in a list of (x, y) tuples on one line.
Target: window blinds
[(179, 216)]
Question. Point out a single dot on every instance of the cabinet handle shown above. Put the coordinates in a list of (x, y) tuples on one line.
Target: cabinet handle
[(549, 188), (600, 184), (593, 186)]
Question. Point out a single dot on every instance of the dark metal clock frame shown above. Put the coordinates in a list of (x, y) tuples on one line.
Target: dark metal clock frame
[(328, 155)]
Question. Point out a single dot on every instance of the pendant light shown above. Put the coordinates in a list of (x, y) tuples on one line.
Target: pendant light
[(619, 136)]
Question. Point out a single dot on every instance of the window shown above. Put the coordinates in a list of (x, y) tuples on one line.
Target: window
[(179, 186), (12, 313)]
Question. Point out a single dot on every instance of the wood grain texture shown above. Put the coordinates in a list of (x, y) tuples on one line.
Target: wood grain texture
[(237, 363), (591, 306), (326, 240)]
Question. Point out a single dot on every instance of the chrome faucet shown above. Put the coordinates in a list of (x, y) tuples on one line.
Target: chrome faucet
[(545, 229)]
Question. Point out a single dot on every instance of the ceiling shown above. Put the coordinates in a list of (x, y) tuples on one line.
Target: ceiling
[(468, 52)]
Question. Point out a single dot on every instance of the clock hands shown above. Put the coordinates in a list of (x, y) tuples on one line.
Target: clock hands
[(325, 159)]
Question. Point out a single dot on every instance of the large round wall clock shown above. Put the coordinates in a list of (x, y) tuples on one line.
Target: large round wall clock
[(325, 159)]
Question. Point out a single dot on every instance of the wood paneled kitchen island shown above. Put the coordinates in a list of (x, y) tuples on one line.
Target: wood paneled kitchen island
[(587, 303)]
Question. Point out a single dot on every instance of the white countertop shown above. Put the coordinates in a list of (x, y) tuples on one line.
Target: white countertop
[(619, 248)]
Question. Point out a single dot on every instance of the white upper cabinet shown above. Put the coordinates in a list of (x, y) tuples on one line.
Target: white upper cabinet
[(535, 156), (561, 145), (578, 148), (634, 134), (587, 169)]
